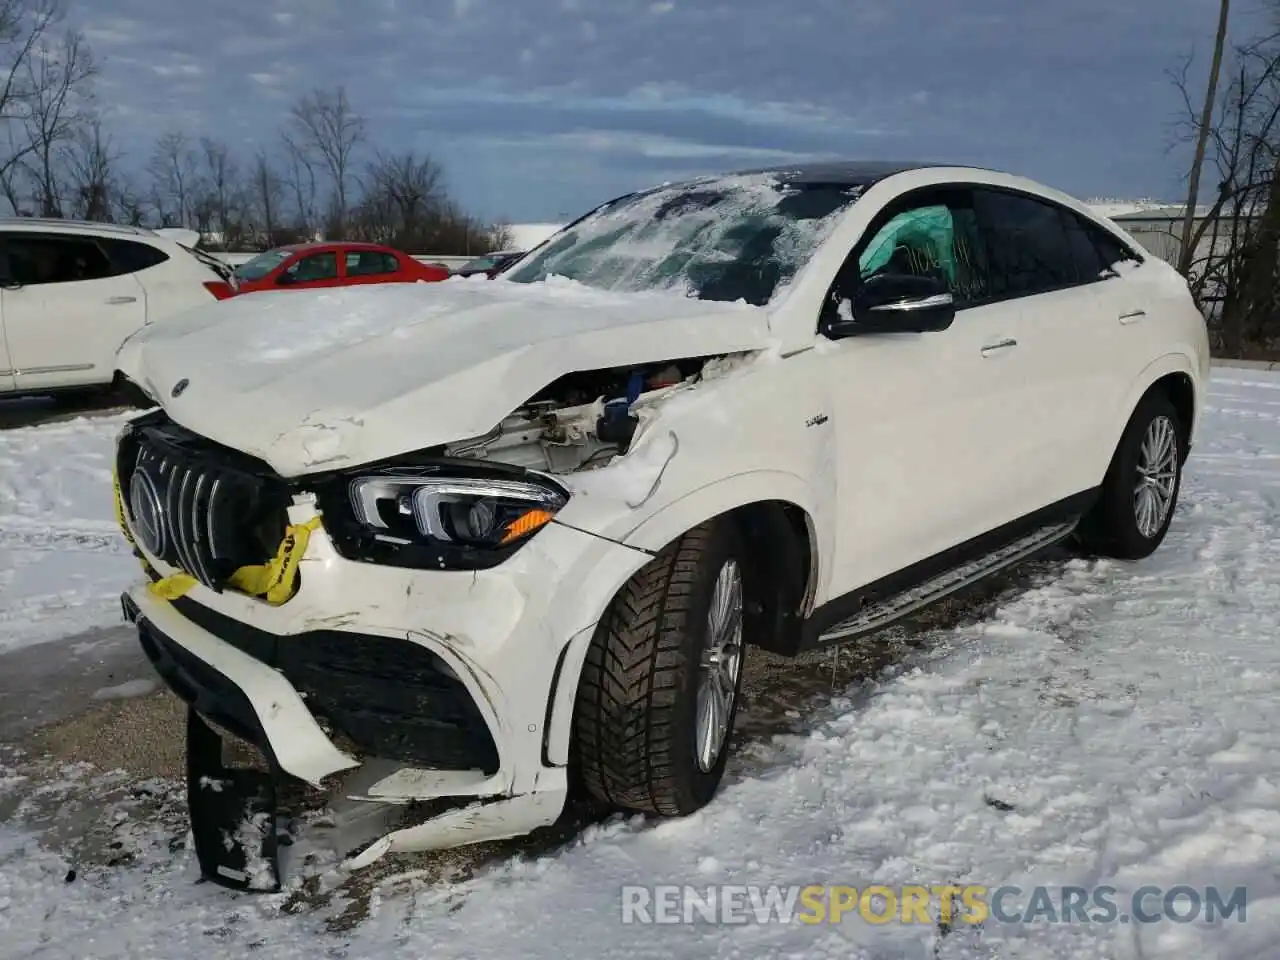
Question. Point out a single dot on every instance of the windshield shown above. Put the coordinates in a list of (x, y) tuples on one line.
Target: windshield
[(480, 263), (737, 238), (262, 264)]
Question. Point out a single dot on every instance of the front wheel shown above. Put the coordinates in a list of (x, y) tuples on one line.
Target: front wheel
[(659, 689), (1140, 491)]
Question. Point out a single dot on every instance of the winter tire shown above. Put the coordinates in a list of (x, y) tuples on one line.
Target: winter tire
[(659, 689), (1140, 491)]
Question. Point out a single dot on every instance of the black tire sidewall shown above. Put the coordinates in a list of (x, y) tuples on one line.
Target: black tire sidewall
[(1125, 539), (696, 786)]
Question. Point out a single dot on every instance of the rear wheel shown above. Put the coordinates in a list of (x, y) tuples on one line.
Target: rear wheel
[(1140, 491), (659, 689)]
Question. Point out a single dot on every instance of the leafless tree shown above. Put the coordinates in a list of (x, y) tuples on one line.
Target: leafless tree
[(1233, 258), (221, 189), (403, 198), (61, 105), (327, 129), (173, 173), (26, 26), (89, 160), (265, 189), (300, 178)]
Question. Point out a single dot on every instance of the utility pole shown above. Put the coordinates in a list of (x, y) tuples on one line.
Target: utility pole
[(1185, 253)]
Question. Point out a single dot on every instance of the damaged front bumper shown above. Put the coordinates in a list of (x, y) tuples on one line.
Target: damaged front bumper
[(428, 709)]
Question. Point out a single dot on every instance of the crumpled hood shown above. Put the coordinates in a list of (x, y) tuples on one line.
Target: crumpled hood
[(314, 380)]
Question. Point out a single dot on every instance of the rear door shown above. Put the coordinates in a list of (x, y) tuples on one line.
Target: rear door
[(373, 266), (1046, 266), (67, 308)]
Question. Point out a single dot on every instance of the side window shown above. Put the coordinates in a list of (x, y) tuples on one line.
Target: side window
[(129, 256), (1084, 252), (1035, 246), (318, 266), (51, 258), (930, 236), (1110, 248), (367, 263)]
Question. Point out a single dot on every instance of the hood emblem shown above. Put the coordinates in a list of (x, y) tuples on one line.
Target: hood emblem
[(180, 386)]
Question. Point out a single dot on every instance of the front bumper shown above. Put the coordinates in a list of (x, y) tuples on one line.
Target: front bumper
[(390, 686)]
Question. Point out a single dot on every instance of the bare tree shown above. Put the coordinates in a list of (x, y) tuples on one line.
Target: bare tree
[(1233, 251), (25, 25), (300, 177), (173, 174), (89, 164), (403, 199), (326, 128), (58, 77), (220, 180), (265, 188)]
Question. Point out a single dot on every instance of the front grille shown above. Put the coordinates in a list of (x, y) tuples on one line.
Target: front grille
[(195, 505)]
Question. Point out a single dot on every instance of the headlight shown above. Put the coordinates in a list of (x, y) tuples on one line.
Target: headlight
[(420, 518), (462, 511)]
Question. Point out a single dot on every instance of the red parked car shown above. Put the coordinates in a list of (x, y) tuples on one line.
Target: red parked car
[(311, 265)]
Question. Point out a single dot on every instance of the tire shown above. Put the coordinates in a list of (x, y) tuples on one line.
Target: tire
[(636, 714), (1116, 526)]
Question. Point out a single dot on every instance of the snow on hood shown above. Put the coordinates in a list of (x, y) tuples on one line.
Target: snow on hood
[(312, 380)]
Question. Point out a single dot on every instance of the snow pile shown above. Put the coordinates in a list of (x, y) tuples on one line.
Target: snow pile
[(63, 561)]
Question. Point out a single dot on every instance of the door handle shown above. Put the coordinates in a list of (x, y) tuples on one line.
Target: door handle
[(118, 300), (1133, 316), (999, 345)]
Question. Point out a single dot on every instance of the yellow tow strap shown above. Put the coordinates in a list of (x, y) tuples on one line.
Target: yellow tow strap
[(119, 504), (275, 581)]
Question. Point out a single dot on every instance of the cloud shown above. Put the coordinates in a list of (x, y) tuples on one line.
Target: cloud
[(539, 108)]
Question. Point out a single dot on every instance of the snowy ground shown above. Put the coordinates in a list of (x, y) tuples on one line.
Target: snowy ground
[(1111, 724)]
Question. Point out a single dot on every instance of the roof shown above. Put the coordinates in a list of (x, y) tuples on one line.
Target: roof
[(329, 244), (54, 223), (849, 173)]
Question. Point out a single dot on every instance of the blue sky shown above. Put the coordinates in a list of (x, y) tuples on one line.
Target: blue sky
[(540, 108)]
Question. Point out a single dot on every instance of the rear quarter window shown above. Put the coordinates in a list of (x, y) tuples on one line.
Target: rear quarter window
[(129, 256)]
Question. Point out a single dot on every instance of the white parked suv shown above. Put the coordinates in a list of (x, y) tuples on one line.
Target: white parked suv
[(71, 292), (442, 551)]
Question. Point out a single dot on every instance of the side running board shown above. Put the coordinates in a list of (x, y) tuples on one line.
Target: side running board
[(881, 613)]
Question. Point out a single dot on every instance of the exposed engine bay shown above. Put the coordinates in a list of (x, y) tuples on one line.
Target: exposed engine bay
[(583, 420)]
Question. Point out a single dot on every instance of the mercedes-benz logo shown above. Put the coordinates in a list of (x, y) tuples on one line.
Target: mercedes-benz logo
[(179, 387), (146, 510)]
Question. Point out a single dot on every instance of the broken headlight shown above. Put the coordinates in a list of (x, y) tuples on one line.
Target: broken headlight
[(462, 513)]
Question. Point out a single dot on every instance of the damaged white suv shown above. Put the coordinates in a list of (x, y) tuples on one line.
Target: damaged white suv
[(441, 551)]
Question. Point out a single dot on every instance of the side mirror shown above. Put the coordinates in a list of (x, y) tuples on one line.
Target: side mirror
[(895, 303), (287, 278)]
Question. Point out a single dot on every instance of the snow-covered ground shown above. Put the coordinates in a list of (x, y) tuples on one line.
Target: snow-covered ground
[(63, 562), (1114, 724)]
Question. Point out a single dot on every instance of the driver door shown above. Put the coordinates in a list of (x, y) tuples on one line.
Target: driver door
[(923, 419)]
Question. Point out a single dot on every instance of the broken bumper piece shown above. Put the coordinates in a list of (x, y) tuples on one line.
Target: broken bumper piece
[(415, 768)]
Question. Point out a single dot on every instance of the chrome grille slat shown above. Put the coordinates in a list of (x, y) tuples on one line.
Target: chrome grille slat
[(199, 552), (177, 511), (211, 517)]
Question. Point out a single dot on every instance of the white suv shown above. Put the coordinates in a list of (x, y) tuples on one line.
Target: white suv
[(444, 550), (71, 292)]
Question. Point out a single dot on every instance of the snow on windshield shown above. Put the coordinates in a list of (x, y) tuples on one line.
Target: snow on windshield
[(734, 238)]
